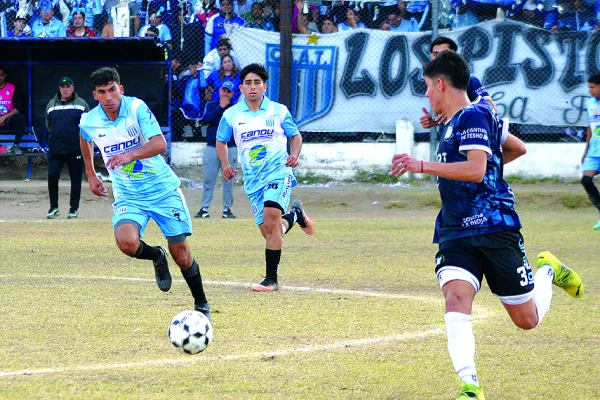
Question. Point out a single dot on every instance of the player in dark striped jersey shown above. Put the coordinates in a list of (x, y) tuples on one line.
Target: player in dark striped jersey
[(478, 229)]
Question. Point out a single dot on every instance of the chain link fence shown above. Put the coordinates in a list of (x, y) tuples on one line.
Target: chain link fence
[(356, 65)]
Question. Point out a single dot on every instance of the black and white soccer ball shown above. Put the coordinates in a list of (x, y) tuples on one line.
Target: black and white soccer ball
[(190, 332)]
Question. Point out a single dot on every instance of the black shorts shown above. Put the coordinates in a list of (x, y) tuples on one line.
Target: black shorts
[(500, 257)]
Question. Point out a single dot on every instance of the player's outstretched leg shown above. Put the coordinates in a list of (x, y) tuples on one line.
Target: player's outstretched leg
[(161, 271), (470, 392), (564, 276), (193, 278), (304, 222)]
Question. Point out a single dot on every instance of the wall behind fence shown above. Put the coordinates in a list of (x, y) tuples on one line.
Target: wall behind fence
[(343, 160)]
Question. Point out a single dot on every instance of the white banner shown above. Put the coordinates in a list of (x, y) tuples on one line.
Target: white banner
[(365, 80)]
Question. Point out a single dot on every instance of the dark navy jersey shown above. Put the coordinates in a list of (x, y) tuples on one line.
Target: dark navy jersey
[(475, 88), (469, 208)]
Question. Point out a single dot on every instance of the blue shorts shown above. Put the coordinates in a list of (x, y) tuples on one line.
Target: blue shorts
[(591, 164), (278, 191), (170, 213)]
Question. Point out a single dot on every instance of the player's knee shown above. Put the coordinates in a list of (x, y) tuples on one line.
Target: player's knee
[(587, 180), (128, 246), (527, 322), (456, 303), (183, 260)]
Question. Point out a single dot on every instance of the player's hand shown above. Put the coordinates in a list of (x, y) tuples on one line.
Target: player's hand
[(292, 161), (427, 121), (97, 187), (402, 163), (118, 161), (229, 173)]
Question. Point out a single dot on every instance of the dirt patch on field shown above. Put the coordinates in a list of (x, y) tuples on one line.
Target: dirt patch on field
[(28, 200)]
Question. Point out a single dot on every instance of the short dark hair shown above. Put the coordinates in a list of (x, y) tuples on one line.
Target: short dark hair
[(2, 68), (255, 68), (452, 67), (594, 78), (443, 40), (224, 41), (104, 76)]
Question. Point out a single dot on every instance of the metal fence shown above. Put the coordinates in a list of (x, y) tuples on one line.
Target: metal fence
[(356, 65)]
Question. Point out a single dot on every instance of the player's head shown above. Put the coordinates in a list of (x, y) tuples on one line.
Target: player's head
[(444, 73), (2, 75), (107, 89), (257, 69), (440, 44), (254, 81), (594, 85)]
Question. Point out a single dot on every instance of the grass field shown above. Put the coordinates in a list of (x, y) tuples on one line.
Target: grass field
[(359, 315)]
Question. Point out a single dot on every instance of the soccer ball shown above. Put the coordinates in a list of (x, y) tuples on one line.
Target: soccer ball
[(190, 332)]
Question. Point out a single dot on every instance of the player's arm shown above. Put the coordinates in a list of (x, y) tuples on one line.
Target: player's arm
[(491, 103), (291, 131), (513, 148), (224, 133), (87, 153), (472, 170), (588, 137)]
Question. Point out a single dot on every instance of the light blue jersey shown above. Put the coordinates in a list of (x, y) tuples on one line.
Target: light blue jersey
[(261, 139), (148, 179), (593, 109)]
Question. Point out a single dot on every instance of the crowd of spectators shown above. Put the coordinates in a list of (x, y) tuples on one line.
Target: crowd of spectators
[(90, 18), (193, 32)]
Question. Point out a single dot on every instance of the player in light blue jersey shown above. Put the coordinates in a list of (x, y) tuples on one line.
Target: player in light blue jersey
[(478, 229), (261, 128), (591, 156), (144, 186)]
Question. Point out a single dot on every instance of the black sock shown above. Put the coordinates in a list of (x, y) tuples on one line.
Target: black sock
[(194, 282), (591, 190), (272, 257), (146, 252), (291, 218)]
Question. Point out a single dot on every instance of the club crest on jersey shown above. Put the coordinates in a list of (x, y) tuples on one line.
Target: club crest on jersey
[(132, 130), (448, 134), (310, 64), (270, 121)]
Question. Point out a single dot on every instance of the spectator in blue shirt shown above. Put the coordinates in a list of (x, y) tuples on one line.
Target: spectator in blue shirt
[(47, 26), (215, 27), (259, 20), (21, 29), (395, 22)]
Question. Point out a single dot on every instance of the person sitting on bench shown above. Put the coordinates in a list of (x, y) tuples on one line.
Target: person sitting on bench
[(10, 117)]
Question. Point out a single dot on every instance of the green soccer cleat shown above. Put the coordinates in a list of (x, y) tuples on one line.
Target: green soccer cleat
[(597, 226), (470, 392), (564, 277)]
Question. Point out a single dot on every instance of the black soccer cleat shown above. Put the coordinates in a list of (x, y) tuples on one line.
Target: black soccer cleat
[(161, 271), (204, 309)]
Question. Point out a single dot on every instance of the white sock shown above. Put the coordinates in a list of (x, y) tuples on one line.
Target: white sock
[(461, 346), (283, 229), (542, 291)]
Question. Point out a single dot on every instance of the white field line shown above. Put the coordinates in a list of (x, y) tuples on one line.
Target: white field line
[(199, 359), (359, 293), (482, 313)]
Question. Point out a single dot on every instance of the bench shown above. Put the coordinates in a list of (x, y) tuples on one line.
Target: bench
[(29, 145)]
